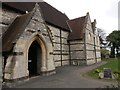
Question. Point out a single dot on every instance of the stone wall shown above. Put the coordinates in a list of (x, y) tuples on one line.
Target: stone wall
[(65, 47), (89, 38), (36, 30), (8, 17), (57, 46), (92, 44), (60, 36), (77, 52), (97, 46), (61, 47)]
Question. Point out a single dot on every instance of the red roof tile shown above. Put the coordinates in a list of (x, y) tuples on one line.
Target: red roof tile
[(77, 27)]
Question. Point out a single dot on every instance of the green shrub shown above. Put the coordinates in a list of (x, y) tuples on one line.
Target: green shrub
[(117, 74), (104, 53), (97, 70)]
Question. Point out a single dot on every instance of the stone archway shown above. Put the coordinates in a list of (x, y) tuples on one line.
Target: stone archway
[(36, 56), (34, 59), (17, 65)]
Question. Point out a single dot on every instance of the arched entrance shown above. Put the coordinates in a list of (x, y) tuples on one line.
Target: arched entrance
[(34, 59)]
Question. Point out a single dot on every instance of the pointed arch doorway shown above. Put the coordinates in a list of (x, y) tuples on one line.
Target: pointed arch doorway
[(34, 59)]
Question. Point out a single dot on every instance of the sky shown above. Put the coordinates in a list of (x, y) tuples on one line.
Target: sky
[(104, 11), (119, 15)]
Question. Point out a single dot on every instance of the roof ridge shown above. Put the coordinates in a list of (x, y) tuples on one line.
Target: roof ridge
[(78, 18)]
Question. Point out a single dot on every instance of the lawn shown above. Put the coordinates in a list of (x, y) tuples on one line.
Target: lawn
[(112, 63)]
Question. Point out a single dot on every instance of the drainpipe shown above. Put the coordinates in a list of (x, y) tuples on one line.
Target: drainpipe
[(94, 29), (61, 46), (69, 43), (69, 53), (85, 47), (95, 50)]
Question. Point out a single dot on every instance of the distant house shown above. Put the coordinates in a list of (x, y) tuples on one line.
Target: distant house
[(37, 38)]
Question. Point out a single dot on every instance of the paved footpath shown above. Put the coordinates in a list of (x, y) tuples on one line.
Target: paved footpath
[(0, 72), (66, 77)]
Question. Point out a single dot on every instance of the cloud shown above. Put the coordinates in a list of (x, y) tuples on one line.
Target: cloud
[(21, 0), (119, 15)]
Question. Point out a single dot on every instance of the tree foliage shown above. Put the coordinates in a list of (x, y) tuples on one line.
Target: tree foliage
[(114, 42), (104, 53), (102, 36)]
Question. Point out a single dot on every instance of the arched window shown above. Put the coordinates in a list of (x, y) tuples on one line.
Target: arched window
[(89, 36)]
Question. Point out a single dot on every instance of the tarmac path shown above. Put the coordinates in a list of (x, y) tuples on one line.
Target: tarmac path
[(65, 77), (0, 72)]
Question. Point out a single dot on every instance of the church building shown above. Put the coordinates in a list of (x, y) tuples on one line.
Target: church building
[(37, 38)]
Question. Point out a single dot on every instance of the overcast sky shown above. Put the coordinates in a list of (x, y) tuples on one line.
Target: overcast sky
[(104, 11)]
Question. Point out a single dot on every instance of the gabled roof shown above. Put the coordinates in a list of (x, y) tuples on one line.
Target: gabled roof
[(77, 27), (50, 14), (14, 31)]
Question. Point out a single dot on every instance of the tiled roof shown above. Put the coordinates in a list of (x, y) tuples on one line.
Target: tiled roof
[(14, 31), (77, 27), (50, 14)]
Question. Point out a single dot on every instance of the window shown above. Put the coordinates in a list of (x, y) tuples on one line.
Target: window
[(89, 36)]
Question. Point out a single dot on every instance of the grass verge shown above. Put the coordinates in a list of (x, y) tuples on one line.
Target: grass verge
[(113, 63)]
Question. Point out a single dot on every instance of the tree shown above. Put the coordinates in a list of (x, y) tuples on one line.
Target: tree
[(114, 42), (104, 53), (102, 36)]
